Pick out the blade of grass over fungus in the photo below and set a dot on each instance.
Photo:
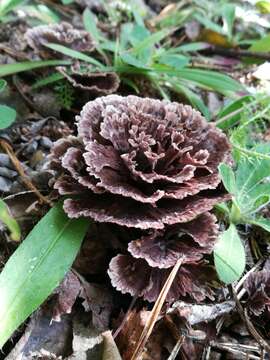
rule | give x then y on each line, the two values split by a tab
9	69
37	267
47	80
74	54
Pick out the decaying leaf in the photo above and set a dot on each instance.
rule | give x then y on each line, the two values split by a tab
196	314
96	298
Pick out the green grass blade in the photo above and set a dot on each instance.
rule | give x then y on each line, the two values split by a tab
150	41
9	69
74	54
210	79
37	267
47	80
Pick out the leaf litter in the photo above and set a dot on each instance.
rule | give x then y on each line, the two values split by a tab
163	188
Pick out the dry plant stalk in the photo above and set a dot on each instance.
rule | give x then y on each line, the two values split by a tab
155	312
8	149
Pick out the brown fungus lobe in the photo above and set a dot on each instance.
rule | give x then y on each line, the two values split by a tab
94	82
63	34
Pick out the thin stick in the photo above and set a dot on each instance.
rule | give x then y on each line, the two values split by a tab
155	312
237	53
176	348
117	331
8	149
250	327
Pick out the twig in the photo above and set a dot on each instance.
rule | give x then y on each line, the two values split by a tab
8	149
22	92
240	350
15	54
243	279
155	312
237	53
244	316
117	331
176	348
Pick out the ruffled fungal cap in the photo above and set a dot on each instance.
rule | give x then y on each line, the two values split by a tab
95	83
185	241
62	33
136	277
158	251
152	166
257	286
141	163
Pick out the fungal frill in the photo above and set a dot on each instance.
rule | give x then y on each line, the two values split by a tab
62	34
150	166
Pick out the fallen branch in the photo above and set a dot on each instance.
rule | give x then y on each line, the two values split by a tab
237	53
17	164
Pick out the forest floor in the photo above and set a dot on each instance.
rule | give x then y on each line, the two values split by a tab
143	287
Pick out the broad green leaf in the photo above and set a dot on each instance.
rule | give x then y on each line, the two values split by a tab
139	11
48	80
3	84
261	222
124	37
229	256
249	183
258	197
251	175
261	45
194	99
232	112
150	41
10	222
74	54
175	18
196	46
208	23
8	5
222	207
197	102
9	69
209	79
174	60
132	60
263	6
228	178
90	24
228	11
7	116
41	12
37	267
136	37
138	34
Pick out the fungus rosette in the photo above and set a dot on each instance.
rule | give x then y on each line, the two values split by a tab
150	165
63	34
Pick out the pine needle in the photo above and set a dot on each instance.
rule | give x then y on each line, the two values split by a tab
155	312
